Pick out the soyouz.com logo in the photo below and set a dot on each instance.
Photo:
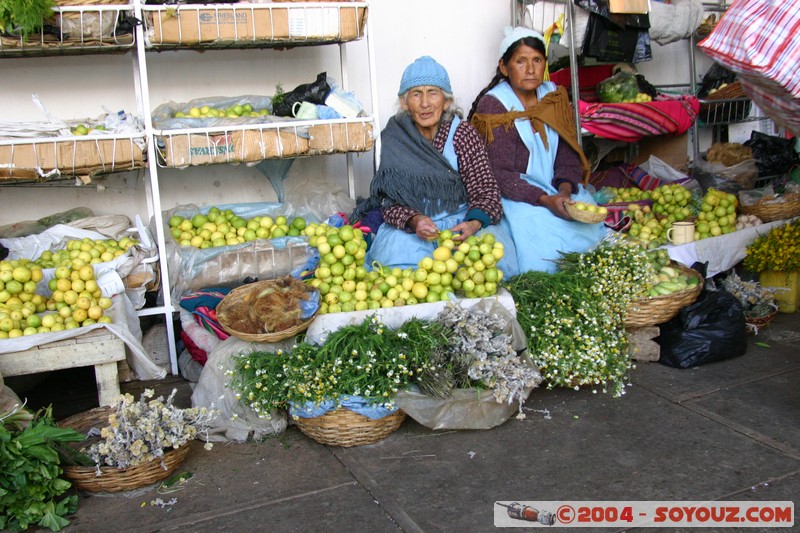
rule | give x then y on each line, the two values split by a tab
553	514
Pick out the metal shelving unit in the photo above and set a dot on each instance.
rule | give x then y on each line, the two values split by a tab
86	30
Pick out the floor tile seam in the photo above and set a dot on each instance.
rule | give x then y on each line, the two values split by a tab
199	518
366	481
687	397
750	433
772	480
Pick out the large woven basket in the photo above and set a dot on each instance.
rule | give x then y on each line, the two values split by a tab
660	309
116	479
343	427
584	216
236	297
769	211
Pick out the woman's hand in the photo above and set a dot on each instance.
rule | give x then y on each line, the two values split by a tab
424	227
466	229
556	204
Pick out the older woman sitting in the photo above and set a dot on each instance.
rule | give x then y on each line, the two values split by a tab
434	175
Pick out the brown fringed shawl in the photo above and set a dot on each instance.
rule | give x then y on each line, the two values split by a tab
553	110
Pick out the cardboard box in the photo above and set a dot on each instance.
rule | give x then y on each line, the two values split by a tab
672	149
249	146
330	138
86	156
634	7
190	25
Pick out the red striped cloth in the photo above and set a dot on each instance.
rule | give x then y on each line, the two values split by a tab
760	40
631	122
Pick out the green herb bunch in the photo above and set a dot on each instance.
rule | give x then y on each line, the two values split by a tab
622	270
778	250
24	16
279	96
368	360
30	485
575	319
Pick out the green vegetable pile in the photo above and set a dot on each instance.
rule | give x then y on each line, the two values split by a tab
574	319
369	360
621	87
24	17
29	472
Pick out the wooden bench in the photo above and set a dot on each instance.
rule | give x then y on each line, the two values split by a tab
99	348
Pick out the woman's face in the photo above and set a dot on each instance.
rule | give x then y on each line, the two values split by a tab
426	104
525	69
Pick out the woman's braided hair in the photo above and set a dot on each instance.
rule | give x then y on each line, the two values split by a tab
532	42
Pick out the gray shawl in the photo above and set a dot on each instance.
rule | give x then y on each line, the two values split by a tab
413	173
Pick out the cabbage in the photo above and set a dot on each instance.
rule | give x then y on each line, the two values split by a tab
621	87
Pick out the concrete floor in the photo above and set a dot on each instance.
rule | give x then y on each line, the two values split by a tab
724	431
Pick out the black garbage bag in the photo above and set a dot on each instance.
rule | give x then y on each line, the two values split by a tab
315	93
715	76
774	155
709	330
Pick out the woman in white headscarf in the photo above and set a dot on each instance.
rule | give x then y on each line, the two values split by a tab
533	147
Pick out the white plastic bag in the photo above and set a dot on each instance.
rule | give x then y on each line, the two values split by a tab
234	421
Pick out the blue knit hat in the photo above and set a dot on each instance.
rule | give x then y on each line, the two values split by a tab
424	71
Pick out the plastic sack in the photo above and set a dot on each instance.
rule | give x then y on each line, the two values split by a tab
711	329
29	227
618	39
730	179
109	274
164	115
715	76
234	421
621	87
9	401
467	408
227	266
773	155
315	93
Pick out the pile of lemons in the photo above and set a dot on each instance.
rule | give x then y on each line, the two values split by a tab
467	268
76	299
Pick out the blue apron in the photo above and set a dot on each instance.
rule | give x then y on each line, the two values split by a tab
538	234
394	247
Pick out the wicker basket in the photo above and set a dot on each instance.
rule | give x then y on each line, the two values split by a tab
343	427
660	309
237	297
724	105
769	212
759	321
584	216
116	479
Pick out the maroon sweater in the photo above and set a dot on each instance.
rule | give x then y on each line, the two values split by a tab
509	158
474	169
